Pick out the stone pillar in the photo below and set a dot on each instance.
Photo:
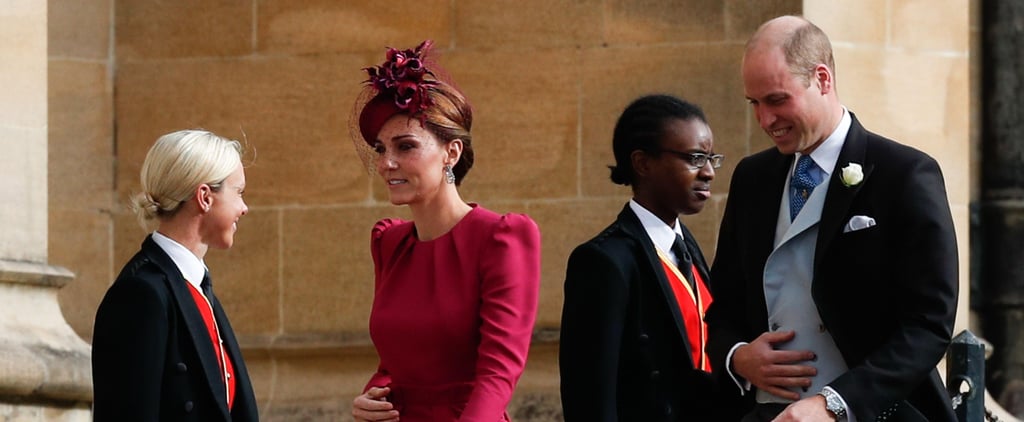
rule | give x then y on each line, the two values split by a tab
1002	196
44	366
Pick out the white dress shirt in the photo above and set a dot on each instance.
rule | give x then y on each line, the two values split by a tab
661	234
191	267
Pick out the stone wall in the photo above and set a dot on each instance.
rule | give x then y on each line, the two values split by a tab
23	131
44	364
547	80
82	157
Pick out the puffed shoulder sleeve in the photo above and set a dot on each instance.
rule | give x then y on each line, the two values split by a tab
377	242
510	270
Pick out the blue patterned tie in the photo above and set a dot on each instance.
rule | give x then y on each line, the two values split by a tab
802	183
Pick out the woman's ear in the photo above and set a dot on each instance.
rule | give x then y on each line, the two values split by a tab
204	197
453	151
640	161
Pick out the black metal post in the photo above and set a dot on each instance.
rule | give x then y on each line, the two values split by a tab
965	377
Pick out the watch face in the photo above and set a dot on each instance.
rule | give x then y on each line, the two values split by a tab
834	405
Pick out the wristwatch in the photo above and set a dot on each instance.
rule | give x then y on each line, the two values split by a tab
834	404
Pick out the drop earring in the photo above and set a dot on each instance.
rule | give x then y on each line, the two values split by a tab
449	176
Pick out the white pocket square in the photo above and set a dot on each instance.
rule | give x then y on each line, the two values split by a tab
858	222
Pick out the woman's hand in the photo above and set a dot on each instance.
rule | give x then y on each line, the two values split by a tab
373	406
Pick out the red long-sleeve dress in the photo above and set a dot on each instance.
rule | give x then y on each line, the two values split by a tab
452	317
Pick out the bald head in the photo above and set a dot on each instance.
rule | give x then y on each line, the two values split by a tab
774	32
788	79
802	43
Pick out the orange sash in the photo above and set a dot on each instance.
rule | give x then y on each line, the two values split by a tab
692	306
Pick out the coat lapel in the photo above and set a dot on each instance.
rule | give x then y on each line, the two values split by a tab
763	223
840	196
193	320
632	227
242	386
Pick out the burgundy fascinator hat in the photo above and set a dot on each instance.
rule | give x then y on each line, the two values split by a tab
400	85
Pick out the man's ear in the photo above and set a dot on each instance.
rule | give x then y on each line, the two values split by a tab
824	78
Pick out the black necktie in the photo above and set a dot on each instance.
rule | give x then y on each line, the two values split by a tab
685	263
207	287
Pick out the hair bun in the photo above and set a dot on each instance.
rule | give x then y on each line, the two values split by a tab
144	206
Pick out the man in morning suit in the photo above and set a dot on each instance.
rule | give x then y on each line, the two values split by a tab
632	337
835	276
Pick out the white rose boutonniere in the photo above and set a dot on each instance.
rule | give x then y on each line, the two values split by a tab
852	175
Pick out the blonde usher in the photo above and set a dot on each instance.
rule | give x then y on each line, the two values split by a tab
176	165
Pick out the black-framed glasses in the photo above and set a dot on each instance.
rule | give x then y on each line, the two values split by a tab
697	160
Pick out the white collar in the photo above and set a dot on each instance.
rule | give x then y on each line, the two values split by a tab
826	154
660	233
191	267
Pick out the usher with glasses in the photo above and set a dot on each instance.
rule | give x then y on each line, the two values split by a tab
697	160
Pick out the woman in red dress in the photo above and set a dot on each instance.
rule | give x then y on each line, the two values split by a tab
456	288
